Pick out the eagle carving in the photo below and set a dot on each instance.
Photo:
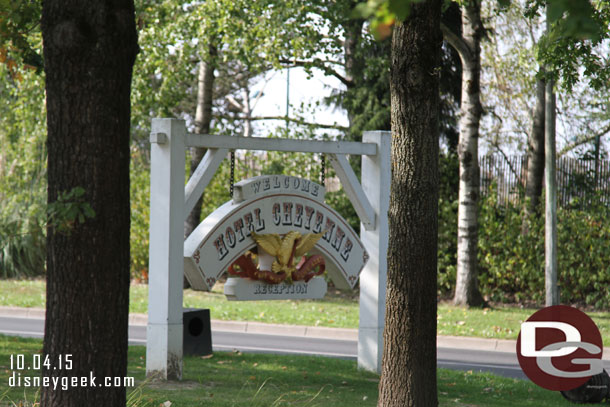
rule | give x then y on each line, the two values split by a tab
285	249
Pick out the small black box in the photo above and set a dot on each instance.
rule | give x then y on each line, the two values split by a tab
197	334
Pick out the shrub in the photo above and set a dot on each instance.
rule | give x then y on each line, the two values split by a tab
22	246
139	197
23	186
447	223
511	264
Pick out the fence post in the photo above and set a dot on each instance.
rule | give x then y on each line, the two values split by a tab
166	264
376	177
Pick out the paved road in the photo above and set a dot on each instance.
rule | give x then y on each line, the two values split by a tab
502	363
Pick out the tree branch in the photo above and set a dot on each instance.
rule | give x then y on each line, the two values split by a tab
317	63
583	141
510	165
284	118
456	42
234	102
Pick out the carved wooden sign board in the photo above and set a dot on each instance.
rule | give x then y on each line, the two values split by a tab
274	220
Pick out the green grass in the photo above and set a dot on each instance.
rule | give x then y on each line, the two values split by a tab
23	293
236	379
501	322
337	309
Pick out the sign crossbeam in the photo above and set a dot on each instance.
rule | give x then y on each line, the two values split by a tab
274	144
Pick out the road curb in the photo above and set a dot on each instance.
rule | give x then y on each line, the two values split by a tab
455	342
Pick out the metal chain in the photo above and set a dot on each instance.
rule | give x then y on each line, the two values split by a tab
323	170
232	181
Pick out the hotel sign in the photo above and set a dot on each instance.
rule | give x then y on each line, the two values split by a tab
272	204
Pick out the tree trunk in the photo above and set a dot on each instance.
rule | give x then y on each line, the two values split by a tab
408	375
535	153
466	290
247	110
353	32
203	118
89	52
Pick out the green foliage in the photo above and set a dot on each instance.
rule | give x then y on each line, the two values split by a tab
367	101
309	166
139	178
511	263
576	45
20	35
69	209
22	246
22	174
250	38
384	13
572	18
447	222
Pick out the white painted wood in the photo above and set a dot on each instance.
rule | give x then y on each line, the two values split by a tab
277	144
202	177
243	289
353	190
164	348
159	138
225	235
265	260
168	255
376	176
264	184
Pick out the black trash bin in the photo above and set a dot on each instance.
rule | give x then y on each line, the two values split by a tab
197	336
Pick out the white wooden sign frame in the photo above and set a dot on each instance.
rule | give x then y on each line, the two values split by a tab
171	201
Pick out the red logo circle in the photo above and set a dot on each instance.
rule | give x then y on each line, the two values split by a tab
559	348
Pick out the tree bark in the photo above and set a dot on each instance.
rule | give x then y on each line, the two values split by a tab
466	290
247	110
535	153
89	52
408	375
203	118
353	71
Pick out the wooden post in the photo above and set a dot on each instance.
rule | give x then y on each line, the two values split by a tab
170	201
376	177
164	332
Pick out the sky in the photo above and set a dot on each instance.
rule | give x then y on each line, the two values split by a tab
303	90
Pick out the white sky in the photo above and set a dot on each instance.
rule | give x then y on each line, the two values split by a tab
303	90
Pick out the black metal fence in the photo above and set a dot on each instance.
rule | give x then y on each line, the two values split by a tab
579	182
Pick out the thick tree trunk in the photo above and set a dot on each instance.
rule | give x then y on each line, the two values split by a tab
408	375
466	290
89	52
203	118
535	153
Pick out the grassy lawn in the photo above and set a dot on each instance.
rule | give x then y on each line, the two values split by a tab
337	309
236	379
